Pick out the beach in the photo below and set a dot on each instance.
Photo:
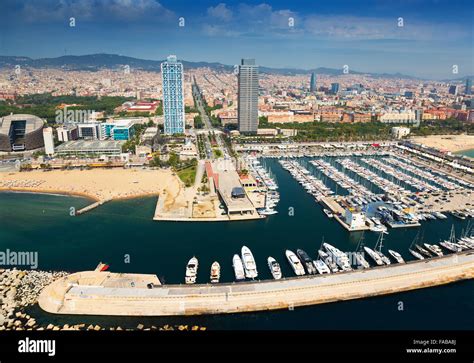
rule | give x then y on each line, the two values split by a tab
97	184
453	143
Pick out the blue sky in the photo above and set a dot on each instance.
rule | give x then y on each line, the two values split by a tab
363	34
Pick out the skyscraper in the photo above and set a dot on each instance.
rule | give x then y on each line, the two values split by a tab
247	109
173	96
468	86
312	83
334	88
453	90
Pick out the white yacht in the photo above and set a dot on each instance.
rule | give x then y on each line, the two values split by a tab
338	256
361	261
398	257
328	261
274	268
416	254
328	213
238	267
375	256
249	263
434	249
295	263
215	272
321	267
191	270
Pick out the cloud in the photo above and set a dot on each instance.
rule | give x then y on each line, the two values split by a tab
265	21
93	10
221	12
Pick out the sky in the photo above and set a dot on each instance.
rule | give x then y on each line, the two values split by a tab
424	38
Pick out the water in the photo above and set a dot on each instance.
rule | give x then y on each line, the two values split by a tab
116	230
469	153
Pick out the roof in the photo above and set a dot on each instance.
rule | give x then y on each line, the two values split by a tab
33	123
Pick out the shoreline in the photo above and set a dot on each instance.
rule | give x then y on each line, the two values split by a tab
60	193
452	143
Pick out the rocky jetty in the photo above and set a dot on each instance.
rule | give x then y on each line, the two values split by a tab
21	288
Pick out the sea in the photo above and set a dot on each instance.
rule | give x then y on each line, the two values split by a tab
469	153
123	234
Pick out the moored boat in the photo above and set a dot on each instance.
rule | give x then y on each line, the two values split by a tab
274	267
416	254
248	260
398	257
375	256
215	272
191	270
307	262
238	267
436	250
295	263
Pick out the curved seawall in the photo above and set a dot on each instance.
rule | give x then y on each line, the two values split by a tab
106	293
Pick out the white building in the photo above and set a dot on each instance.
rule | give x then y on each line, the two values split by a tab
400	132
48	140
354	219
405	117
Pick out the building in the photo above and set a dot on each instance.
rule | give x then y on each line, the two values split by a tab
90	148
334	88
453	90
89	130
118	129
188	151
67	132
48	139
21	132
354	219
312	83
247	108
468	90
400	132
407	117
173	96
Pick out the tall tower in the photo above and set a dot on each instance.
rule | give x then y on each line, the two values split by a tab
247	109
173	96
468	86
312	83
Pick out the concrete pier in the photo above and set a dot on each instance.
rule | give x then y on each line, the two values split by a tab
105	293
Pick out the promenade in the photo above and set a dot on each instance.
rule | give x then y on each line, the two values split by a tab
106	293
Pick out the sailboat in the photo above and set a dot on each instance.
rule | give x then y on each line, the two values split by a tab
379	243
451	244
359	256
412	251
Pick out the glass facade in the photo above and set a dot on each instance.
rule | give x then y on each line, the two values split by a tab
173	96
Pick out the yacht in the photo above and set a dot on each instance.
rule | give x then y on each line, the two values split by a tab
249	263
191	270
274	268
238	268
328	213
398	257
361	261
307	262
375	256
295	263
215	272
338	256
453	247
434	249
423	251
267	212
328	261
416	254
321	267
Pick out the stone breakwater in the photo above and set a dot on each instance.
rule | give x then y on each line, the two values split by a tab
20	289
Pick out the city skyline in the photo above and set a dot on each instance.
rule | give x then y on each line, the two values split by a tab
421	38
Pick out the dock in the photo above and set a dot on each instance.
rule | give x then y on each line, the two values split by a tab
106	293
90	207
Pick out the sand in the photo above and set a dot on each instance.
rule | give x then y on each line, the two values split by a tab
97	184
453	143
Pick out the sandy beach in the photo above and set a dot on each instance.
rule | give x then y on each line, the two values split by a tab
453	143
97	184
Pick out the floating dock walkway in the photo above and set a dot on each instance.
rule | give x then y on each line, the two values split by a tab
106	293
